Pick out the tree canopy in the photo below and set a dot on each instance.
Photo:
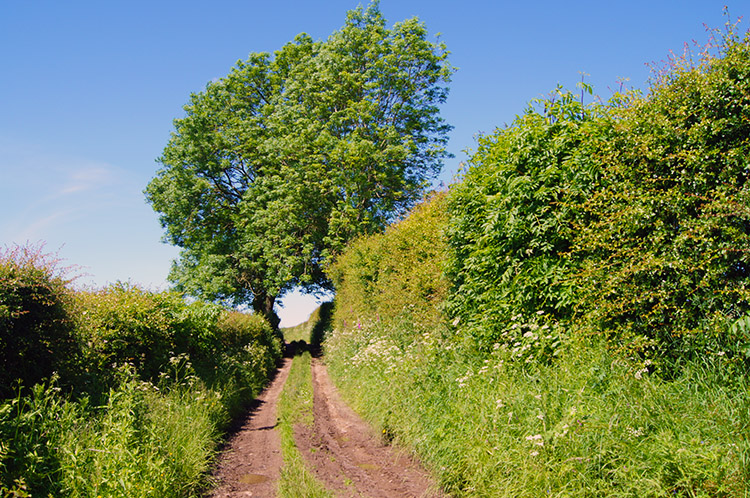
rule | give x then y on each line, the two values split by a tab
276	166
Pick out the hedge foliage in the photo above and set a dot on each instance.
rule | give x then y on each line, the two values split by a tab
591	333
513	216
36	326
627	219
667	245
397	274
117	391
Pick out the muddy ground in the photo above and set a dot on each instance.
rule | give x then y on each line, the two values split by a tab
341	450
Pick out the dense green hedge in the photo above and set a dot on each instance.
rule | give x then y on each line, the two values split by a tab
119	391
627	219
667	245
592	332
36	326
513	218
397	274
123	324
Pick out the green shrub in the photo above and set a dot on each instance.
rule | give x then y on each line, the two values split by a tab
123	324
151	381
513	216
249	350
397	274
667	243
36	330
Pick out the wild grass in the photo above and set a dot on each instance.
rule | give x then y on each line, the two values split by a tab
590	424
142	442
144	385
295	407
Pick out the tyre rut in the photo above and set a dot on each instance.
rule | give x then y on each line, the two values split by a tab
341	450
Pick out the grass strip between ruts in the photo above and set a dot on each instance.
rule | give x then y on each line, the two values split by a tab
295	407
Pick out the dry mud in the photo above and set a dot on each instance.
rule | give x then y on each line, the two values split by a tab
340	449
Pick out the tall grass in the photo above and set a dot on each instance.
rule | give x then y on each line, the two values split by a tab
591	424
142	442
149	383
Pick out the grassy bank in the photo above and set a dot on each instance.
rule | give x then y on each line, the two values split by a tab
589	425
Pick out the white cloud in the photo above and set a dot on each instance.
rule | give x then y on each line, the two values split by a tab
36	229
41	194
296	307
89	177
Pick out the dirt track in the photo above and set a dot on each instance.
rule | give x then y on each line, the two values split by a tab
340	449
250	464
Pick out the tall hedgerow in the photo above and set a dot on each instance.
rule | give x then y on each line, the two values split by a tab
397	275
36	329
620	229
151	331
512	218
667	239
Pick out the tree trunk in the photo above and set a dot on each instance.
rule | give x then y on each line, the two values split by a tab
263	304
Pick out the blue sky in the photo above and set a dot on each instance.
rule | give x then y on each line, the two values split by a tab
89	90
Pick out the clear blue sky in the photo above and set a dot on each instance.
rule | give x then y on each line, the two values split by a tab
89	90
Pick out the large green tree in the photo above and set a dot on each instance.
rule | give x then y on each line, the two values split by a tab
277	165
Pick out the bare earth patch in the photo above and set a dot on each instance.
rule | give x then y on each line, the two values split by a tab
340	449
346	455
250	464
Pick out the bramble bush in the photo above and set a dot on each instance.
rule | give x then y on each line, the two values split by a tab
36	329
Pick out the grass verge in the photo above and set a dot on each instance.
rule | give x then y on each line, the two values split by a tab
589	424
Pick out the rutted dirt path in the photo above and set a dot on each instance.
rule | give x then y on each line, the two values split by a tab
250	464
348	457
341	450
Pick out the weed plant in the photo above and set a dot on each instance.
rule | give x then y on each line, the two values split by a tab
589	424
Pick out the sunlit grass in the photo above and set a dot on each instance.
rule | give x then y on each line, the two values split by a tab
589	424
299	332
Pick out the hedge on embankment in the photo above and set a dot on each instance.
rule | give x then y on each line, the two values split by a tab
119	391
591	334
